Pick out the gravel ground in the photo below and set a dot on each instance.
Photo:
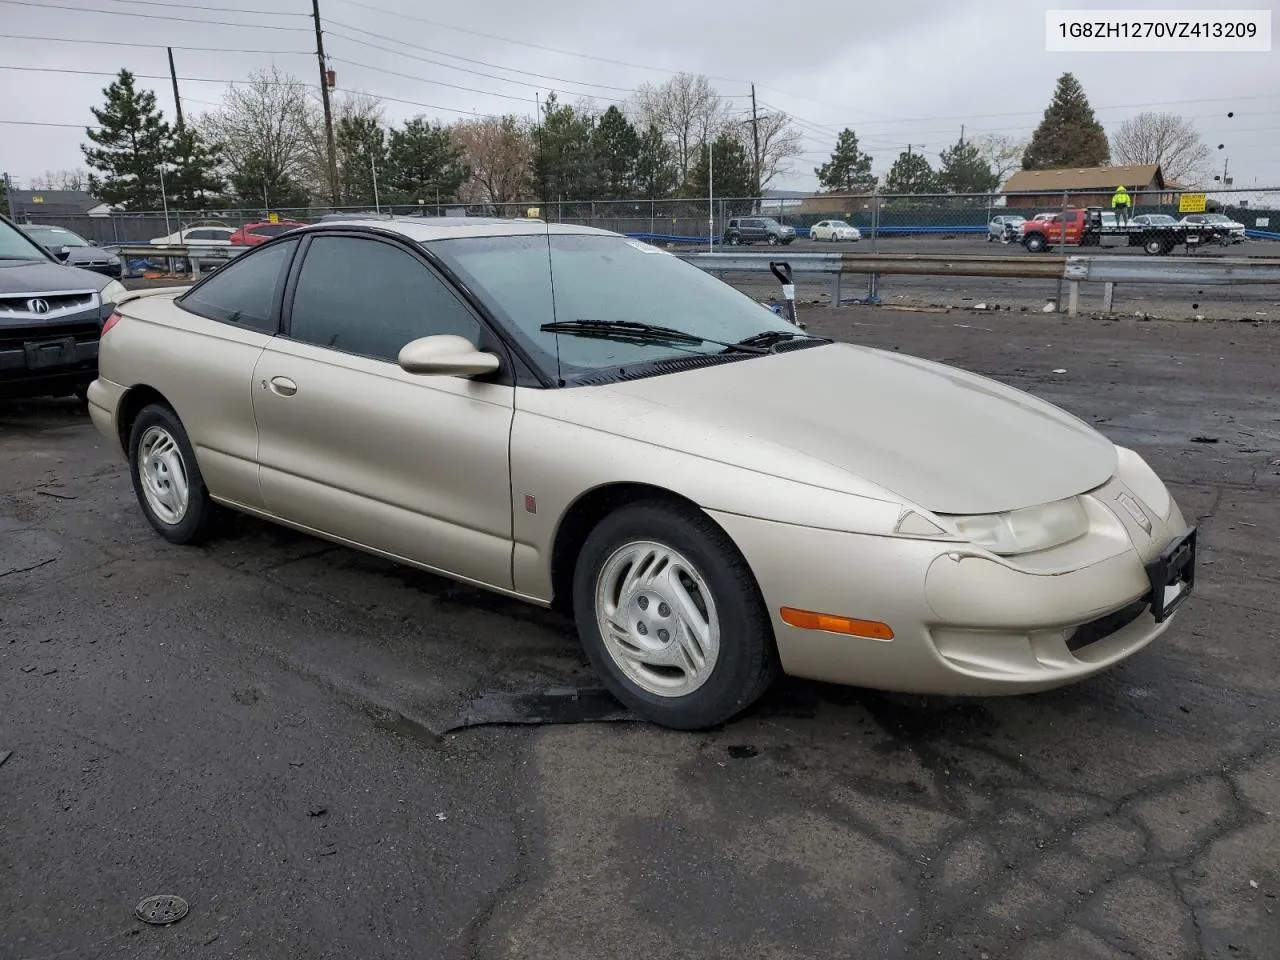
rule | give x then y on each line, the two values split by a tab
269	728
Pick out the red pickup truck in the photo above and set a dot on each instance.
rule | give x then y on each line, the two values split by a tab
1086	227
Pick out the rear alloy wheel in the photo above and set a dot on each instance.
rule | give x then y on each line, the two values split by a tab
1156	246
671	618
166	477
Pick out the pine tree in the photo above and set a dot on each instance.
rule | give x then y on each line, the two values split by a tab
564	166
1069	135
617	149
963	170
361	149
655	166
729	169
259	180
849	168
423	161
911	173
194	183
131	145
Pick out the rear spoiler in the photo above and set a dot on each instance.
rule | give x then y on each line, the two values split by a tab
151	292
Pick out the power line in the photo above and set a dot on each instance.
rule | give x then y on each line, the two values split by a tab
156	46
438	83
40	4
442	53
193	6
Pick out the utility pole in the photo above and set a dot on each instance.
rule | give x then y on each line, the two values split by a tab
177	100
962	134
8	194
324	96
755	140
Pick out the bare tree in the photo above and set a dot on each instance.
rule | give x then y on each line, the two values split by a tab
1163	138
780	141
688	111
262	122
1003	154
61	180
499	151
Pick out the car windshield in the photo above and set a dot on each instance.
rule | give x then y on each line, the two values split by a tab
1216	218
770	222
16	245
55	237
1160	218
530	280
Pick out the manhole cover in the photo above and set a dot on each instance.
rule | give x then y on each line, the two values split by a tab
161	910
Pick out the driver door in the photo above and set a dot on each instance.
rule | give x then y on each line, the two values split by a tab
352	446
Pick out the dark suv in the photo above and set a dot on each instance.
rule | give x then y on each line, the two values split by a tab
51	317
757	230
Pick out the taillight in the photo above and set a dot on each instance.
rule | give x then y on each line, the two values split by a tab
111	322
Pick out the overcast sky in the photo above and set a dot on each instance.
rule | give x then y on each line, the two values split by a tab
900	72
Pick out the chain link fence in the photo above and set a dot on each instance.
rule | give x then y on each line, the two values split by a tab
703	220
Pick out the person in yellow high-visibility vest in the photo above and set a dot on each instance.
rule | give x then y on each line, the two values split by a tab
1120	204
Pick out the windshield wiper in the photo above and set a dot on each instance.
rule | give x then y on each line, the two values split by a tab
640	333
772	338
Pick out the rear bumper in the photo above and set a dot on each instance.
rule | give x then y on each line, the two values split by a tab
963	623
104	400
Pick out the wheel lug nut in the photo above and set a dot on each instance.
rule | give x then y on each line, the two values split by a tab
664	610
643	603
664	636
641	629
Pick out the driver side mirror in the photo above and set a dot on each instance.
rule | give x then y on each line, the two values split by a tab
93	243
62	253
445	355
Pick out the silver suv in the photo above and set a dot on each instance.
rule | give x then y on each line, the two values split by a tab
757	230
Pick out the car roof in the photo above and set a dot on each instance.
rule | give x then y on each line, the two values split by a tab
421	229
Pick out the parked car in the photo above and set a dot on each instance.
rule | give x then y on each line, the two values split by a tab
252	234
645	447
1233	227
51	315
757	230
204	235
1004	228
835	230
1153	220
74	250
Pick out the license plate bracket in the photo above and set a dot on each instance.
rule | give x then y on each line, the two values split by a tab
1173	576
50	353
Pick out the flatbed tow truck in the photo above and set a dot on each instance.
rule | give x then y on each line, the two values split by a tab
1088	227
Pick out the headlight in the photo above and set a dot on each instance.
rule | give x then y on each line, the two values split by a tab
1026	530
1142	480
112	292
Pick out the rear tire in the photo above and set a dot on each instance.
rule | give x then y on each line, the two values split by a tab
670	616
166	478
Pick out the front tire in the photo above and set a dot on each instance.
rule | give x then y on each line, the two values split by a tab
671	618
166	478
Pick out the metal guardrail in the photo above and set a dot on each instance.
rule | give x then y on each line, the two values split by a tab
1073	270
196	254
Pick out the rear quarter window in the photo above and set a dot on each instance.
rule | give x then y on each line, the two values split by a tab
246	291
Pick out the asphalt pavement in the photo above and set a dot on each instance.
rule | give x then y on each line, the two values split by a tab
294	737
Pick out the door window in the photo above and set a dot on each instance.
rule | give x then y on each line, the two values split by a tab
244	291
370	298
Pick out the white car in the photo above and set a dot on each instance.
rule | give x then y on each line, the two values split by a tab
1218	220
1004	228
1153	220
197	236
835	231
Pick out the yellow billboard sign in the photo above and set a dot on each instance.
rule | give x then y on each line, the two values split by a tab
1191	203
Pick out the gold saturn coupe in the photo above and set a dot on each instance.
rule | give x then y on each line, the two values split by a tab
587	422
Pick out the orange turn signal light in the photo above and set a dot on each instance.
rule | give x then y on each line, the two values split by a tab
808	620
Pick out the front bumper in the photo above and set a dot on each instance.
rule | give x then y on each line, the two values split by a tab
964	622
48	360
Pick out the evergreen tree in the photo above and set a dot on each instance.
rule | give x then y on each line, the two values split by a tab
963	170
849	168
132	143
1069	135
729	168
617	150
423	159
361	147
911	173
564	165
655	166
194	183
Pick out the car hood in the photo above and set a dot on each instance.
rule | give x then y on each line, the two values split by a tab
36	276
947	440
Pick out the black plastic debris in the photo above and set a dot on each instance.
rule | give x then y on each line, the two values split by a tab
161	910
743	751
5	755
556	705
1204	439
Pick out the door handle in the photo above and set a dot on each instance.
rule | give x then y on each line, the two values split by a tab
281	386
